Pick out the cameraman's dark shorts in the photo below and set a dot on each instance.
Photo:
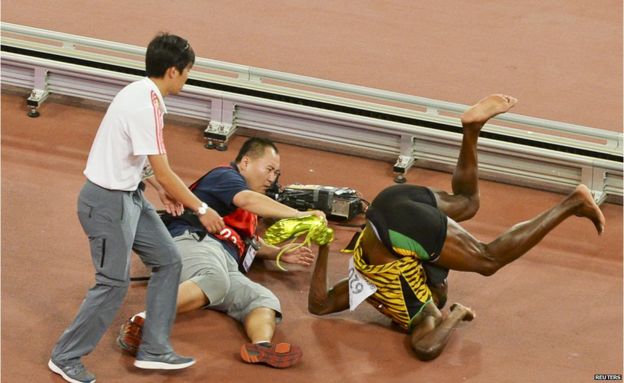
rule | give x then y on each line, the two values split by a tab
407	221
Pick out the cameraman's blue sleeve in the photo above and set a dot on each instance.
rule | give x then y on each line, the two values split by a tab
219	187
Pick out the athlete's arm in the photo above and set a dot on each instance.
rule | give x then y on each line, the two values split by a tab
321	300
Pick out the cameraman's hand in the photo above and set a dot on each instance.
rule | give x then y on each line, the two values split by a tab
302	256
212	221
317	213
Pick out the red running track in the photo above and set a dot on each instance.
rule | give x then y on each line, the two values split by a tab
554	315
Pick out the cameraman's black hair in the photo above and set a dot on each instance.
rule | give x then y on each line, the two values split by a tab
255	147
166	51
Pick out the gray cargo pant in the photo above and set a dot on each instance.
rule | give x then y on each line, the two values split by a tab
117	222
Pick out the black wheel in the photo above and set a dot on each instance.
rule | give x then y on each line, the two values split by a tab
400	179
222	147
33	113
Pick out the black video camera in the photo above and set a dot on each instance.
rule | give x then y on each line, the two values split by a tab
338	203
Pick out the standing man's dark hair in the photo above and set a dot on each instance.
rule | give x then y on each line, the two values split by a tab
166	51
255	147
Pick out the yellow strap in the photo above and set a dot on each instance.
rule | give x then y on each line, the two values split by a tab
291	246
316	231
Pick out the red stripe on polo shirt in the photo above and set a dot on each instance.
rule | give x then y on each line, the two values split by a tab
158	123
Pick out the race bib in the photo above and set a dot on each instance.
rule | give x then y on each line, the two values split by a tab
249	257
359	287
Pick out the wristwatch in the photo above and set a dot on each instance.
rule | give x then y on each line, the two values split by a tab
202	209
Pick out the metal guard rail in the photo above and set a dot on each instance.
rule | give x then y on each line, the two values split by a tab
517	149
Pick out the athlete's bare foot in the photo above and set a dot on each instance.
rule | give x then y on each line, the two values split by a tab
492	105
468	313
588	207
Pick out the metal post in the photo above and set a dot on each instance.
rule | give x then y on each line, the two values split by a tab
39	92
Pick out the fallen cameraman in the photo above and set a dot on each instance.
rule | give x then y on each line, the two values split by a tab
213	266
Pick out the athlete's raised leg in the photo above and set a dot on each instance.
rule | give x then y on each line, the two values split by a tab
463	203
463	252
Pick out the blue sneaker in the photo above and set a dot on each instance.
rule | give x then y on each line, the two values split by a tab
168	361
74	373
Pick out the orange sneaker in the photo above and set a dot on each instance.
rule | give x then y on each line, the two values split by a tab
130	334
280	355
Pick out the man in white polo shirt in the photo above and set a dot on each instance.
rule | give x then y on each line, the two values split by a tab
118	219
